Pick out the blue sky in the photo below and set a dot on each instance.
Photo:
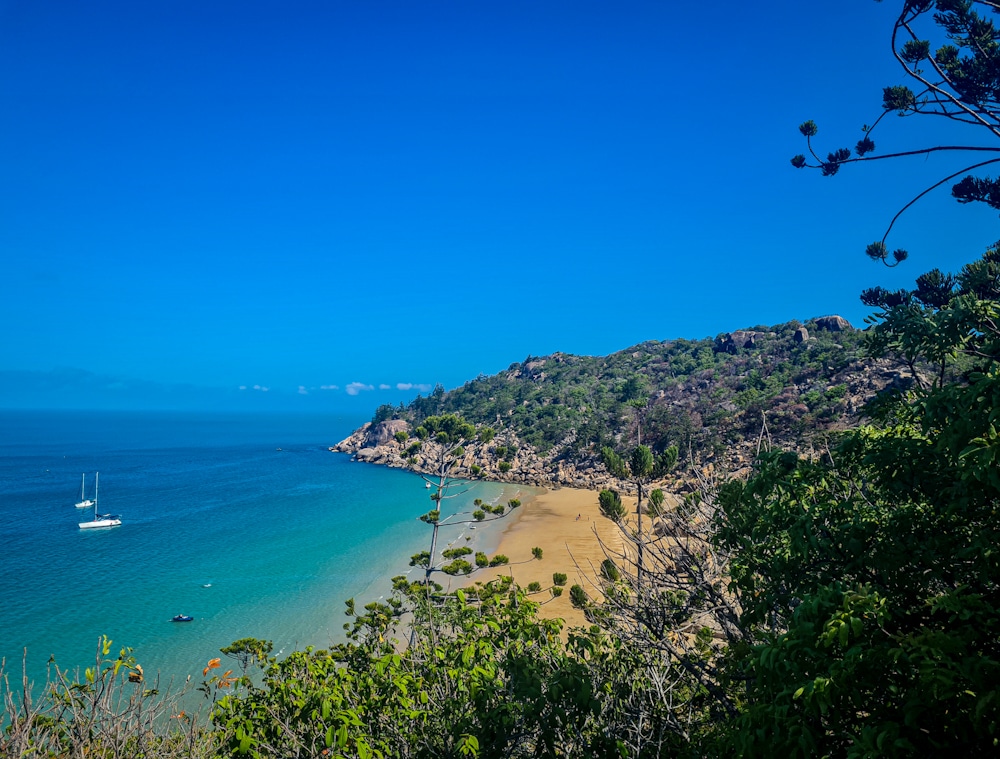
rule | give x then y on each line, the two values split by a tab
197	197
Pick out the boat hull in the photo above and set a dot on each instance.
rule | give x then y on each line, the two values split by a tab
98	523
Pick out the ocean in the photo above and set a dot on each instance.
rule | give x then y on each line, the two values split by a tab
245	522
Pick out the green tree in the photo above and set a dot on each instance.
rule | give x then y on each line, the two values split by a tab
248	652
640	467
868	580
656	499
488	679
383	413
611	505
950	52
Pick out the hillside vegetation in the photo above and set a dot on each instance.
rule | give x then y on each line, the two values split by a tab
713	398
836	605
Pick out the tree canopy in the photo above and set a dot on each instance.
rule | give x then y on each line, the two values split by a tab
949	51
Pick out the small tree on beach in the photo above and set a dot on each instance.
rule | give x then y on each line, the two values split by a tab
641	466
447	437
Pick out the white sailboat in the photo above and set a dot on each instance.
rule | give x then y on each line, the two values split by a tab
85	502
100	520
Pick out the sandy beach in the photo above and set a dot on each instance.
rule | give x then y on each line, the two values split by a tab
568	526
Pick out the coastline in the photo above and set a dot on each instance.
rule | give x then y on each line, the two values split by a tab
567	524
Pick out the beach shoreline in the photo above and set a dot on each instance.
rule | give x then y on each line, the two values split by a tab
567	524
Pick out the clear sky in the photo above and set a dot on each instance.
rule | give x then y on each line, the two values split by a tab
306	195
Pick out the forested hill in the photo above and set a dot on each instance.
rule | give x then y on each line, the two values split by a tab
709	397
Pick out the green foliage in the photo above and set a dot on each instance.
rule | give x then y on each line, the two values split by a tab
486	678
402	436
457	567
867	579
383	413
536	552
609	571
578	596
656	499
448	429
615	464
956	70
641	462
667	460
452	553
504	466
513	503
248	652
611	505
578	406
482	560
534	587
559	578
499	560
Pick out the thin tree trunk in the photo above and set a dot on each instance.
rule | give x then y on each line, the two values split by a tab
638	513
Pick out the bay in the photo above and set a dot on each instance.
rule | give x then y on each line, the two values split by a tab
218	523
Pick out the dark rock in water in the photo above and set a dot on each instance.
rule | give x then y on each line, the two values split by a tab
801	335
833	324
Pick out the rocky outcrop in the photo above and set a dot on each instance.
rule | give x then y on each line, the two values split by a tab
504	459
509	459
833	324
722	406
732	341
383	432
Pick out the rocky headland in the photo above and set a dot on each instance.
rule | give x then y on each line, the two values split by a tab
790	386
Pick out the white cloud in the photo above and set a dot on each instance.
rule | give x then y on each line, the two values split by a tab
302	390
383	386
329	387
261	388
422	387
243	387
356	387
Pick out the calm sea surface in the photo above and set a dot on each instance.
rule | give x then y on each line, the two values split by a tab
217	523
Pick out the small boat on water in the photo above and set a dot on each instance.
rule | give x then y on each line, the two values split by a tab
85	503
182	618
100	520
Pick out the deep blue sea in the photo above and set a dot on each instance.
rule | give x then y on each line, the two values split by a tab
217	523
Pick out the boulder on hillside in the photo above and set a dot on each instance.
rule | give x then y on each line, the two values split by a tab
383	432
833	324
801	335
731	341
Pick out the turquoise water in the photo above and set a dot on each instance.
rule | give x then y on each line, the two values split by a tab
281	537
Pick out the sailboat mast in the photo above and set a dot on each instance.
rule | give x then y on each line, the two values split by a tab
97	484
83	482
